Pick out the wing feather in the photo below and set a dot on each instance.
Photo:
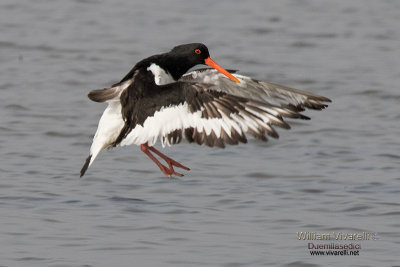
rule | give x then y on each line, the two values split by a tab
207	117
253	89
214	114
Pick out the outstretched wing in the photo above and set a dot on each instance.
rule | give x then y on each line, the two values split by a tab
202	115
250	88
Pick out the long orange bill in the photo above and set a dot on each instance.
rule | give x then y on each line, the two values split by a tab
208	61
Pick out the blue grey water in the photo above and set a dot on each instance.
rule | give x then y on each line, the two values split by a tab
241	206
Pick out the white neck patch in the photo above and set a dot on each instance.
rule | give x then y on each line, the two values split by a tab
160	76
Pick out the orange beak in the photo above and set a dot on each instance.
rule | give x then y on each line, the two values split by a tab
208	61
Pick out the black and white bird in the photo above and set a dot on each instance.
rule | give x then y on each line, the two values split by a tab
157	99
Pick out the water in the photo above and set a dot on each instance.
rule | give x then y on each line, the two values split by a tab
241	206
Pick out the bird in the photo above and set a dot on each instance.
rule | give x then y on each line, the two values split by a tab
160	100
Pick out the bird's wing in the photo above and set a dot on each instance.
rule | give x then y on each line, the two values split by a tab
250	88
202	115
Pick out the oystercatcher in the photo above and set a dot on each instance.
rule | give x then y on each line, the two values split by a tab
157	99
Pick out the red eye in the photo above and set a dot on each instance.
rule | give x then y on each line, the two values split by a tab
197	51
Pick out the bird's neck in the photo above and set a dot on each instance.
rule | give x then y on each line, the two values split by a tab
173	66
164	67
161	76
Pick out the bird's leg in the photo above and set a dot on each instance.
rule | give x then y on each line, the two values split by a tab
168	160
167	171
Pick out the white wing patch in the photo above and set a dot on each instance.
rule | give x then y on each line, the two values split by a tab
167	120
172	118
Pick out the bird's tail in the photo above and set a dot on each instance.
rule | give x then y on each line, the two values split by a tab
110	125
96	148
86	165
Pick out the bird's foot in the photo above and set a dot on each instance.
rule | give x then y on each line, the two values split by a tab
168	171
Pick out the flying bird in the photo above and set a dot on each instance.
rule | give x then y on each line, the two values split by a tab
158	99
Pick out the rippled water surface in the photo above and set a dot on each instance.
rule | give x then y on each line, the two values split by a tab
241	206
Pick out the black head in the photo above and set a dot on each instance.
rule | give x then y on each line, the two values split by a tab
183	57
194	54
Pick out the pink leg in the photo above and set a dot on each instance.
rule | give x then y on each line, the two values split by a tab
168	160
167	171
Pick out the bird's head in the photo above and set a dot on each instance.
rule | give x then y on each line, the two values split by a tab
194	54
